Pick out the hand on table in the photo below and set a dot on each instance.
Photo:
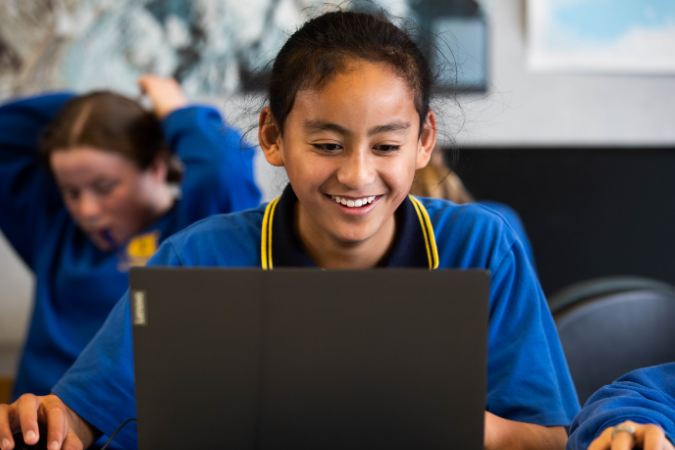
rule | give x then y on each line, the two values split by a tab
647	437
165	94
65	429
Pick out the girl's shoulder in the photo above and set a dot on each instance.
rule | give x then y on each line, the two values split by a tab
472	218
468	235
231	239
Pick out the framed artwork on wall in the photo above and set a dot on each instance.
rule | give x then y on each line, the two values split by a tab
213	47
600	36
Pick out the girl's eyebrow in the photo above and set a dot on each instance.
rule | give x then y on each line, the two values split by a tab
316	126
399	125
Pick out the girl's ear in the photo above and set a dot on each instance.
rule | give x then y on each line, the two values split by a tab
269	136
159	169
427	141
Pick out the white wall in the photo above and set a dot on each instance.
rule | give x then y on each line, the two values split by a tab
16	292
536	108
525	108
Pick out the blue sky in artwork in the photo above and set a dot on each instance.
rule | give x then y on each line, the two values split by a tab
607	20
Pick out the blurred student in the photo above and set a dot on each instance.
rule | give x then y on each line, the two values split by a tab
438	181
89	186
349	119
636	411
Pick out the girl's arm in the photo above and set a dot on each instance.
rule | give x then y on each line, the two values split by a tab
530	395
645	397
29	197
504	434
218	175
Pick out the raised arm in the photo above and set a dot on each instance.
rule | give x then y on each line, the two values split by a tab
29	198
643	399
218	174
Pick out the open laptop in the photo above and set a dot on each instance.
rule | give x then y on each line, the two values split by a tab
309	359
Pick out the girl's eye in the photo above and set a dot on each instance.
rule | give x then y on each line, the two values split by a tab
327	147
387	148
104	189
71	194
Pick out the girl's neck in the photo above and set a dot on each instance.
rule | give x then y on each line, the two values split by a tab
330	253
161	203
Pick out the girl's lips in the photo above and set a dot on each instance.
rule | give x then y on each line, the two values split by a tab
107	237
350	204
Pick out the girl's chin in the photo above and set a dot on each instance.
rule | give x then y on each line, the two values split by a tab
103	243
348	234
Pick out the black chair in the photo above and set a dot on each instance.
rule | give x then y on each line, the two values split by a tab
611	326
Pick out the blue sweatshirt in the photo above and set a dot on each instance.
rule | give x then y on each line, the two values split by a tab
643	396
528	379
77	284
513	219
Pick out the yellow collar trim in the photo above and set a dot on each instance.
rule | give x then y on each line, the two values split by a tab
427	231
266	240
422	215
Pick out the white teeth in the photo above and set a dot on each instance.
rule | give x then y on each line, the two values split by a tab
353	203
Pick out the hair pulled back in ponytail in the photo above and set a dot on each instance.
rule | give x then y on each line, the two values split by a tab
114	123
325	45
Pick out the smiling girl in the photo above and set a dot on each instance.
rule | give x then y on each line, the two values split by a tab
116	181
349	118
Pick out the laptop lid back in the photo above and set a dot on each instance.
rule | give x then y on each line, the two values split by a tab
306	359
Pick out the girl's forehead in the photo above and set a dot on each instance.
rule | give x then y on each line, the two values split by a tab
362	75
364	88
85	158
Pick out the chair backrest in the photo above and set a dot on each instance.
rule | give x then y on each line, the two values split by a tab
608	334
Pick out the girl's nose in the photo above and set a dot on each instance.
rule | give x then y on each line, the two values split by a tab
89	207
357	170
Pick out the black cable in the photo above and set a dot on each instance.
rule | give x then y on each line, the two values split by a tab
117	431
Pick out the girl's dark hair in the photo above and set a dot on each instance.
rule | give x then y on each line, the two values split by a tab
323	47
114	123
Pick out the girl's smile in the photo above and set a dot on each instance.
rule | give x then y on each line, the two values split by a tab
355	205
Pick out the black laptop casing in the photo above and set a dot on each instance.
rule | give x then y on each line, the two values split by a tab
309	359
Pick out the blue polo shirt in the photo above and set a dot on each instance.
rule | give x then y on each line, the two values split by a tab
76	283
643	396
528	379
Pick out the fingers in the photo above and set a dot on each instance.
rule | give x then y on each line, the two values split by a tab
24	415
623	441
57	425
602	442
27	406
165	94
152	84
145	81
647	437
6	418
654	438
71	442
